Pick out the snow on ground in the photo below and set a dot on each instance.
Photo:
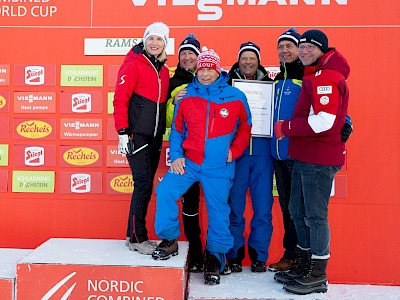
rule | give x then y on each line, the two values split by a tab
262	286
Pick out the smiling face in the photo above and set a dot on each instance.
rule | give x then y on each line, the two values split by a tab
188	60
154	45
309	53
207	76
287	51
248	64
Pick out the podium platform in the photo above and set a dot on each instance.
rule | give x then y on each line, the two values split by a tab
8	261
99	270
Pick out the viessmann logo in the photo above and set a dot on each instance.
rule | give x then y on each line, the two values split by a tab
122	183
34	129
81	156
212	11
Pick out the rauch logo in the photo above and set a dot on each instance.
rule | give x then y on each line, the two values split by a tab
81	156
34	129
122	184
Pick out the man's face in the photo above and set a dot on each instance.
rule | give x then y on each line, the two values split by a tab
287	51
309	53
207	76
188	60
248	64
154	45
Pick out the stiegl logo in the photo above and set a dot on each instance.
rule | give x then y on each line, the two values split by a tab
80	183
81	103
34	75
212	10
34	156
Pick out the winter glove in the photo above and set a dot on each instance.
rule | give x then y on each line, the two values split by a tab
278	130
346	131
124	142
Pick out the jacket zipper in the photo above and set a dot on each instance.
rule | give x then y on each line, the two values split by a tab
279	108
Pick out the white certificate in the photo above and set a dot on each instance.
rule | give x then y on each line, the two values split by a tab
260	96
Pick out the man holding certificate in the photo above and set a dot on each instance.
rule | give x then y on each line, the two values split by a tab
254	169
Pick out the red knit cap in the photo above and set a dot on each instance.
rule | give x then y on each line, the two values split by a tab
208	59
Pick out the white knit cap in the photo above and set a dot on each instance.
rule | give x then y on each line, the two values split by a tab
158	29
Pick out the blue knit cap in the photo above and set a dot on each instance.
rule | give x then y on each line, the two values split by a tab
291	35
316	37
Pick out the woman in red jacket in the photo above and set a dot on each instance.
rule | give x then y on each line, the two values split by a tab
139	114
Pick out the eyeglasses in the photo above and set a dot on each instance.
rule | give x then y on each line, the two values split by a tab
309	48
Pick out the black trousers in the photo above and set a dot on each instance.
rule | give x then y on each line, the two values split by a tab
143	166
191	222
283	175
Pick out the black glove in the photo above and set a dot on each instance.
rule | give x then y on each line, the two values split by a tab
346	131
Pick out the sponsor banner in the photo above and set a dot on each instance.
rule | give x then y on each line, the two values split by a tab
81	102
112	75
4	75
119	183
33	181
4	101
81	156
112	134
118	46
20	13
110	106
34	75
87	129
62	281
3	155
80	183
114	158
34	155
81	75
35	102
5	128
44	129
3	183
273	71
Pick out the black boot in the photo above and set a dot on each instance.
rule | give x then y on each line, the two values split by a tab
211	269
300	267
314	280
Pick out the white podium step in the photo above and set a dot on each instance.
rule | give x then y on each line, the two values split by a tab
99	270
8	262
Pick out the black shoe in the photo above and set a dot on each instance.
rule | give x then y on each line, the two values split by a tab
165	250
300	289
211	269
258	267
196	267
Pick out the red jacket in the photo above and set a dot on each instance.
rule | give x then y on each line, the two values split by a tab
320	113
141	94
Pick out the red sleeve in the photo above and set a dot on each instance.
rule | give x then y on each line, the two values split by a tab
126	83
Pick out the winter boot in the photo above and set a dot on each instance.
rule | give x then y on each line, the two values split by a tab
300	267
316	273
211	269
258	266
146	247
165	250
283	265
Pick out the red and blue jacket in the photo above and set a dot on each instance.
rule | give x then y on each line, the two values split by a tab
208	121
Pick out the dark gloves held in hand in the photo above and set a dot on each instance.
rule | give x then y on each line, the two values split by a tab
346	131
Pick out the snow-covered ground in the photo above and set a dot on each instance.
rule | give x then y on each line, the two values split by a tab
262	286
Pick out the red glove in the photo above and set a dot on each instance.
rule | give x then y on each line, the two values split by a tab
278	130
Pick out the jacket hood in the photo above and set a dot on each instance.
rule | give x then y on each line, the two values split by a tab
332	60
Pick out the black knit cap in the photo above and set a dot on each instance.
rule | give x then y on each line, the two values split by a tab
316	37
291	35
190	43
250	46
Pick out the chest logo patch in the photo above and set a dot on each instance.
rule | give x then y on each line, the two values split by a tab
224	112
324	89
324	100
